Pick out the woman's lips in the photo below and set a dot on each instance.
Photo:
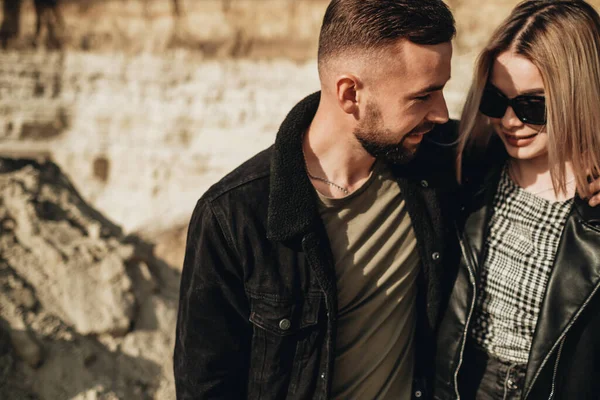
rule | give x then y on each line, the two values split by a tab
519	141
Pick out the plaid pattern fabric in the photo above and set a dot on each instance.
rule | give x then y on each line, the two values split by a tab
524	236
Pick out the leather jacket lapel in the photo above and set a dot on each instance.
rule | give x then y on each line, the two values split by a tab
474	229
479	212
574	280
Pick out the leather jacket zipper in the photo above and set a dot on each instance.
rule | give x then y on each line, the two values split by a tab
468	260
562	342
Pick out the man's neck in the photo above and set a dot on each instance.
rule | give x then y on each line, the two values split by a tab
332	153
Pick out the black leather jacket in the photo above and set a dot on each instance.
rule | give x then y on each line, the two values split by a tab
257	312
564	361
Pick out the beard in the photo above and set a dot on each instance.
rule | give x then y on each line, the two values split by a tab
370	132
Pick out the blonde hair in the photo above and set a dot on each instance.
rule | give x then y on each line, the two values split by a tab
562	39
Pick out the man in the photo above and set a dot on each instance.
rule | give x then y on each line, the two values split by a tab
47	12
314	270
11	21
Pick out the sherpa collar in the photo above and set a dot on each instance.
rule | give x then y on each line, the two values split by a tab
292	199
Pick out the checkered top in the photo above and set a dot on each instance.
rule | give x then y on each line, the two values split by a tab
524	235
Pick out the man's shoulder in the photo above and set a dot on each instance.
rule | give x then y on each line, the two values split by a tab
445	133
436	158
253	172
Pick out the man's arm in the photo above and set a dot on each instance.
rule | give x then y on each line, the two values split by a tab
213	334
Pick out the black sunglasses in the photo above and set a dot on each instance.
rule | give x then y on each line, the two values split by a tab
530	109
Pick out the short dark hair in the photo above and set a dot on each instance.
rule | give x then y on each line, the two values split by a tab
370	24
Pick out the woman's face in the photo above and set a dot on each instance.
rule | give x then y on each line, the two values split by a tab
514	75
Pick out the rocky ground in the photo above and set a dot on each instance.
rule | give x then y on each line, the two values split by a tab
87	312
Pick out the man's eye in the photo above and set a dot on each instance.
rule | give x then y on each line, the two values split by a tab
423	98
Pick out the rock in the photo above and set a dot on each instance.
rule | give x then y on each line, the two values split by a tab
170	245
25	297
10	384
73	287
151	286
98	299
8	225
18	291
6	357
78	277
27	348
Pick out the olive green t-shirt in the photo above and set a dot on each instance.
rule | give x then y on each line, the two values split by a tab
376	263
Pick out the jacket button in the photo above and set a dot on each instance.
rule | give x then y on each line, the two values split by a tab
435	256
418	394
285	324
323	375
424	183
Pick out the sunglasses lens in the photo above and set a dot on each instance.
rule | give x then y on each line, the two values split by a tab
528	108
493	104
531	109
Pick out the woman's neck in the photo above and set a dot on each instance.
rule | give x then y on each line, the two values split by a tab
534	176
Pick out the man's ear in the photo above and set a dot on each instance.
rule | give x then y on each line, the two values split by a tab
348	91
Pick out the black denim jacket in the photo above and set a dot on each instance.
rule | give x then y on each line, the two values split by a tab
258	300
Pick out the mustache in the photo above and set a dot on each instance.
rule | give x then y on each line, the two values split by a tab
423	128
426	127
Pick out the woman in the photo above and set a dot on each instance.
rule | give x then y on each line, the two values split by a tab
523	321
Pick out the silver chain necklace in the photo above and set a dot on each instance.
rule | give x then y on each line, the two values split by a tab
512	173
324	180
552	188
318	178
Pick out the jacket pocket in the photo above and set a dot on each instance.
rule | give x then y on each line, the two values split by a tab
286	346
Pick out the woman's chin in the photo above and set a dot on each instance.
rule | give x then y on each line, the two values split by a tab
526	152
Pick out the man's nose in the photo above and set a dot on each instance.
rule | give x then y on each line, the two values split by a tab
439	111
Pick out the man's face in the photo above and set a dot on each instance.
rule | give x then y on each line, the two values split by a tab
404	101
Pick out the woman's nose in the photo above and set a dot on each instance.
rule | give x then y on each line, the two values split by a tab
510	119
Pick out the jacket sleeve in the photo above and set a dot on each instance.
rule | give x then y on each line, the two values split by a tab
213	334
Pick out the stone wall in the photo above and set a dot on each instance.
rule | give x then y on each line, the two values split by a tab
144	135
210	28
